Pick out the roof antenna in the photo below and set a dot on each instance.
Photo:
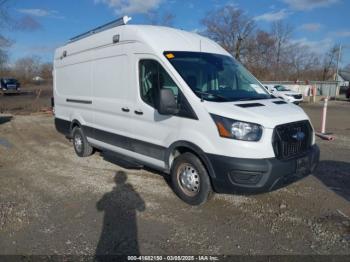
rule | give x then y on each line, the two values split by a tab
126	19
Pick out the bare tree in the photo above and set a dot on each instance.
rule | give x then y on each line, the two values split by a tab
26	68
27	23
260	49
329	62
230	27
4	15
4	42
281	32
3	60
301	61
347	68
24	23
45	71
164	19
295	62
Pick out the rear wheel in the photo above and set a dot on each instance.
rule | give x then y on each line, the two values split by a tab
81	145
190	179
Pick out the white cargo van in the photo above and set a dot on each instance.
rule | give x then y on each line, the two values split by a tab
179	103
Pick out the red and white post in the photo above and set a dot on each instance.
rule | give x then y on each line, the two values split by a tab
323	134
324	116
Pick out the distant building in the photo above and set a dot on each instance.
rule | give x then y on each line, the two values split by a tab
38	79
343	78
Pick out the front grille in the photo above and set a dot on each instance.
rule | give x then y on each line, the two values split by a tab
298	96
292	139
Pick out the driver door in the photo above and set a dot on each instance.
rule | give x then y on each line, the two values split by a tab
152	132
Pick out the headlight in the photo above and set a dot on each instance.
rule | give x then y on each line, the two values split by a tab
288	95
238	130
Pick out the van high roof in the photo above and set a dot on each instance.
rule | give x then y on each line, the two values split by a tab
157	38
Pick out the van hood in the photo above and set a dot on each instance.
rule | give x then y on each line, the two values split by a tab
263	112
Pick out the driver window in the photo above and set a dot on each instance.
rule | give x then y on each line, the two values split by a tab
153	77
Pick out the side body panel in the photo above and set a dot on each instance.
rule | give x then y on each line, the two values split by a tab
111	91
73	88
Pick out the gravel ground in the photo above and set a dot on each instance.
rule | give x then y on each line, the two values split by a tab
53	202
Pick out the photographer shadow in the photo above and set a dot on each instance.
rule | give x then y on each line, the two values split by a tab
119	232
5	119
335	175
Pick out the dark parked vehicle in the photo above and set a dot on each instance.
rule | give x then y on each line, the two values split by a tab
9	85
347	94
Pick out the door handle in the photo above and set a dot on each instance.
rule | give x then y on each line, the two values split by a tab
138	112
125	109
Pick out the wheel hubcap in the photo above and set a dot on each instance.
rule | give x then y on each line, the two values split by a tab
78	142
188	179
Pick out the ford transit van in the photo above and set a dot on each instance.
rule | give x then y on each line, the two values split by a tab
177	102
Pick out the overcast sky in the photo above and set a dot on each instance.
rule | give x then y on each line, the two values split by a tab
317	23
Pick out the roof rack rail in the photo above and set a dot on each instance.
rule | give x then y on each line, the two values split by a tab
118	22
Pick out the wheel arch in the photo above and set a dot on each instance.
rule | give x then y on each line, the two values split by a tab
74	123
181	147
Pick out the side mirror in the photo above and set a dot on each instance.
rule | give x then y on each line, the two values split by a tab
166	103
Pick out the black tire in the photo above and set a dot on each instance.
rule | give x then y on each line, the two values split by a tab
188	163
82	148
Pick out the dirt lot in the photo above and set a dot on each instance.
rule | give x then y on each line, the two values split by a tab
53	202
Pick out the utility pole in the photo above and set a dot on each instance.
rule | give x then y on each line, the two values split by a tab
338	60
337	73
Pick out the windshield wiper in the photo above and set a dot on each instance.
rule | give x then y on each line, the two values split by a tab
209	94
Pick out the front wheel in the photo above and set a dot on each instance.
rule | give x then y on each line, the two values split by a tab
190	179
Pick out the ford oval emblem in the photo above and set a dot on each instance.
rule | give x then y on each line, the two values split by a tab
299	136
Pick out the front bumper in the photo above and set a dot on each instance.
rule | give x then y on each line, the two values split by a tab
294	100
10	90
241	175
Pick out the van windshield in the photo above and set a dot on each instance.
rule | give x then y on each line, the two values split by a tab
281	88
10	81
216	78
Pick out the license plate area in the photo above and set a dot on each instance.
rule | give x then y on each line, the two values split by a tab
303	166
